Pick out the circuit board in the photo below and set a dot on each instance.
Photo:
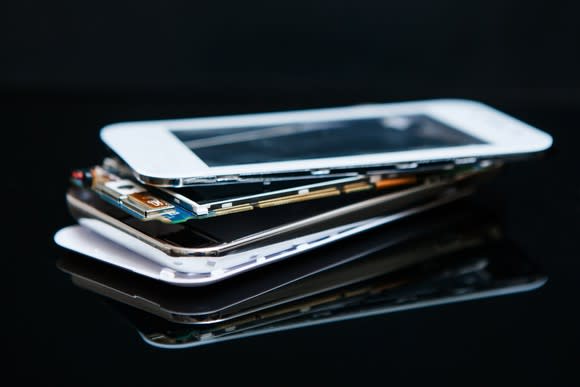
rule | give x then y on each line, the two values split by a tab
149	203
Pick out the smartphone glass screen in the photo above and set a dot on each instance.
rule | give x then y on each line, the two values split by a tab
315	140
321	141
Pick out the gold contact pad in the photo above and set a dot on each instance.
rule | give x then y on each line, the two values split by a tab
323	193
356	187
233	209
278	201
348	188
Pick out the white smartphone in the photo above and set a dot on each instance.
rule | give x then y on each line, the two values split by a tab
317	142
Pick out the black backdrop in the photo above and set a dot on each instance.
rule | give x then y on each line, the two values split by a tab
303	50
67	68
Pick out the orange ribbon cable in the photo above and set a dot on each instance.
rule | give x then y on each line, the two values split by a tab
394	182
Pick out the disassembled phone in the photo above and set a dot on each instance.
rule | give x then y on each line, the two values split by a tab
111	183
387	138
206	250
102	247
197	201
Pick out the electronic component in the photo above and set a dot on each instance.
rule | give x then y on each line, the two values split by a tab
126	194
120	189
323	193
82	177
169	206
395	182
147	204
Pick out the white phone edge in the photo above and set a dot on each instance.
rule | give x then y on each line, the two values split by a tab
158	157
106	243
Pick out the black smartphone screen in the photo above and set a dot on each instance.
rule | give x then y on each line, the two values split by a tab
313	140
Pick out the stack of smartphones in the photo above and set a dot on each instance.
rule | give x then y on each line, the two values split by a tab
203	202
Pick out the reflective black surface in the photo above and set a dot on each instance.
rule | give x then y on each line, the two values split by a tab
70	68
76	334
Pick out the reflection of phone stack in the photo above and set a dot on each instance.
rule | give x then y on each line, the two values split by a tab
204	199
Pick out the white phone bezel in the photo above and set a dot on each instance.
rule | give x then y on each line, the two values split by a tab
157	156
104	242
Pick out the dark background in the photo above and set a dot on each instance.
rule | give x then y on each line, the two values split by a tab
68	68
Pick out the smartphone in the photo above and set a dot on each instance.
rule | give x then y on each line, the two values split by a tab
204	251
397	136
369	255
